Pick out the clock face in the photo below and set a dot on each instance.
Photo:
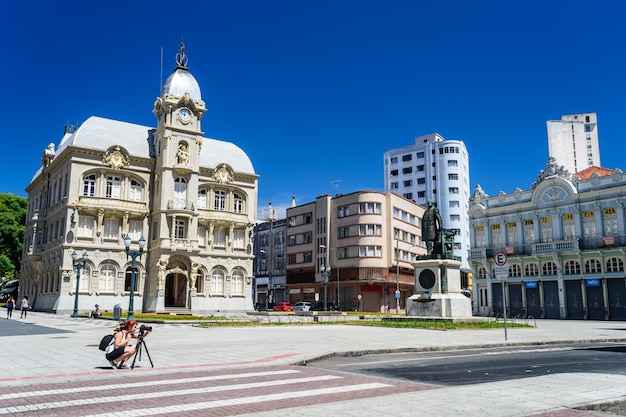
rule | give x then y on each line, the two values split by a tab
185	115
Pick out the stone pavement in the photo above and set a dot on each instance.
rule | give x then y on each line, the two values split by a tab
33	355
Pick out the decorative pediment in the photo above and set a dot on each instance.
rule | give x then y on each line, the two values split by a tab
223	174
116	159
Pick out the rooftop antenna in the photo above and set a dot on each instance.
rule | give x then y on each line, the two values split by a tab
161	75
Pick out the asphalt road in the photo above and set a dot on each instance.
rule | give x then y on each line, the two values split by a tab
467	367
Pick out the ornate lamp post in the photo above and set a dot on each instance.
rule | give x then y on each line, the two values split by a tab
325	270
133	254
78	266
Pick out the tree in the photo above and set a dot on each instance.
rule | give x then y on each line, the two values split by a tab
12	221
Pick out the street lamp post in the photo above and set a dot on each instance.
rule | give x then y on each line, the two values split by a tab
133	254
337	261
78	267
325	270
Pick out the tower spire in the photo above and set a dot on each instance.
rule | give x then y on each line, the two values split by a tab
181	57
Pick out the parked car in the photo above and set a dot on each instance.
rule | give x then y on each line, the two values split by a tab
302	306
283	306
319	306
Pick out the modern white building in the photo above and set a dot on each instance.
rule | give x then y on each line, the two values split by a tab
573	141
435	169
565	240
193	199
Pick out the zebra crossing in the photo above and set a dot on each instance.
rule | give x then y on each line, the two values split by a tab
220	393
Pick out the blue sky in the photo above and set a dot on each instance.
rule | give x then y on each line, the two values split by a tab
316	91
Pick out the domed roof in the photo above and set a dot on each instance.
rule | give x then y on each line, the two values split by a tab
181	82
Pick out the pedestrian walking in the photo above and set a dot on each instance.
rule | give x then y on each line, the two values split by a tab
10	306
24	306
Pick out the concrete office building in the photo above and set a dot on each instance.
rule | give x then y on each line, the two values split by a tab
566	243
193	199
368	238
573	141
435	169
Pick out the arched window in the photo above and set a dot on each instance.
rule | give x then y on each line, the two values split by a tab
237	282
482	273
593	266
480	237
202	199
200	282
614	265
180	193
511	234
114	185
529	231
531	270
496	236
85	275
134	194
515	270
217	282
128	278
546	229
569	229
220	200
238	203
107	278
589	225
610	221
548	268
89	185
572	268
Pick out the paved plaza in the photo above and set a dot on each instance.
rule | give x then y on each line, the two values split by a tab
51	365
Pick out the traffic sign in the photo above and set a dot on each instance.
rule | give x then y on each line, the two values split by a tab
501	269
500	258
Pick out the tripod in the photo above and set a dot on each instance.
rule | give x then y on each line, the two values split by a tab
141	344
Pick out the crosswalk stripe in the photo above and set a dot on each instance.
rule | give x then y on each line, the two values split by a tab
134	397
241	401
145	384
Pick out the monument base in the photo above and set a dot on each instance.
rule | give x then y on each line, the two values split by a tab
439	305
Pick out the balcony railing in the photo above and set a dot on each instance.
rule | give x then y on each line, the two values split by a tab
180	205
557	246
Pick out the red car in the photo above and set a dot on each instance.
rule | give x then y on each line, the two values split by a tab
283	306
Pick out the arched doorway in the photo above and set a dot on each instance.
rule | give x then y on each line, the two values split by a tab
176	288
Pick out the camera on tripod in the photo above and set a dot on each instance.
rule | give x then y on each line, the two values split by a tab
143	328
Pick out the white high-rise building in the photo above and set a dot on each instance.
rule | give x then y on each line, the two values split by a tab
435	169
573	141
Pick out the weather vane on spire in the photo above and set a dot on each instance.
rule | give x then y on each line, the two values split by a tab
181	58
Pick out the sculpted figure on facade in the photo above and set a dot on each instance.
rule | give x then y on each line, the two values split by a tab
223	175
116	159
183	154
161	273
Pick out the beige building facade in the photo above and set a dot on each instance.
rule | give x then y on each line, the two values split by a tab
193	199
368	238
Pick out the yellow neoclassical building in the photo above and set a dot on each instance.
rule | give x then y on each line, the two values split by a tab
193	200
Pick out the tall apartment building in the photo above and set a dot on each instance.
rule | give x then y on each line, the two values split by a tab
368	238
573	141
435	169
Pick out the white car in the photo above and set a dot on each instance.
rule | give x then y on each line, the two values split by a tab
302	306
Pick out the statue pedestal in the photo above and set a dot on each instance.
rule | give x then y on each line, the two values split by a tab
160	301
438	290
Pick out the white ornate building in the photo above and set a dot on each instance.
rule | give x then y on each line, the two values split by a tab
192	198
566	244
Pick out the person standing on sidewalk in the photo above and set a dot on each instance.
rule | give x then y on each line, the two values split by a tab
24	306
10	306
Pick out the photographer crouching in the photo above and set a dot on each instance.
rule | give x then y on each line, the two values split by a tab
120	351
